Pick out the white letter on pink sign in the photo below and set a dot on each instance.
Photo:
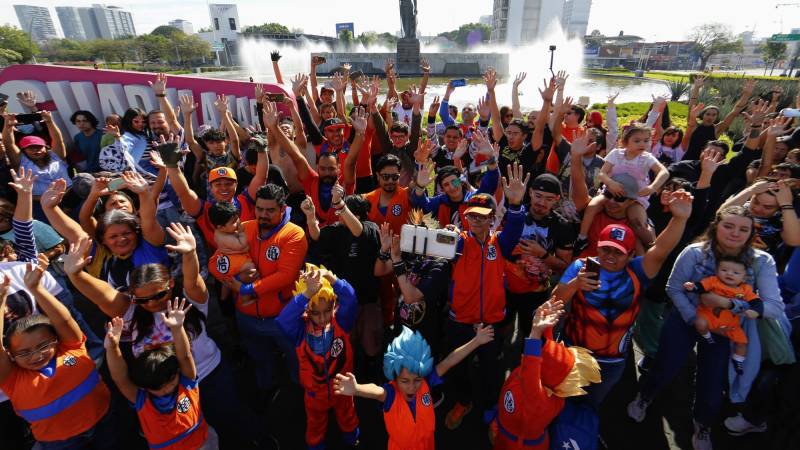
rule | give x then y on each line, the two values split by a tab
112	99
11	88
61	91
86	95
180	116
243	111
142	97
210	115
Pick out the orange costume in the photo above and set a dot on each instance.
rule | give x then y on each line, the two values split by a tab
243	202
226	266
69	401
396	210
724	318
407	431
181	427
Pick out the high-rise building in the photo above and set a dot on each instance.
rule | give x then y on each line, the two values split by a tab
71	24
36	21
575	19
224	21
517	22
183	25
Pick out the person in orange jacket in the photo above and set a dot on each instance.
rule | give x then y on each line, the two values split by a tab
411	422
533	395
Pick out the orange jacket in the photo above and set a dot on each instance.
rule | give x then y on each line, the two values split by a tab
182	428
407	432
279	257
246	209
396	211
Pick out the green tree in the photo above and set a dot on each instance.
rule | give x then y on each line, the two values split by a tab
712	39
191	48
119	50
153	48
66	50
771	52
461	35
267	28
9	56
368	38
346	38
167	32
18	42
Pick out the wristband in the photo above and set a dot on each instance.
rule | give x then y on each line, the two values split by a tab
384	256
785	207
492	160
338	206
161	95
400	268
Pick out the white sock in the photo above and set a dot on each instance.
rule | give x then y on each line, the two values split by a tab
739	358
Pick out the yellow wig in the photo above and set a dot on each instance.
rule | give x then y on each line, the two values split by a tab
325	293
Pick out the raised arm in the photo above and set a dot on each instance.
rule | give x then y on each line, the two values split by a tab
426	73
12	151
151	230
490	78
56	139
174	318
188	106
160	91
680	206
339	86
346	384
577	175
741	104
170	155
275	56
227	121
791	225
313	73
62	223
5	361
117	366
185	244
483	334
110	301
541	120
515	108
262	165
271	124
691	124
66	328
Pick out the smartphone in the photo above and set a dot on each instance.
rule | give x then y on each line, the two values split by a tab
592	265
116	184
428	241
320	59
458	82
356	75
275	97
24	119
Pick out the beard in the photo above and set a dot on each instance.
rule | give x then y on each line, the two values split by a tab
328	179
389	187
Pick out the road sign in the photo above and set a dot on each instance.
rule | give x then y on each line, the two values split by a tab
218	46
785	37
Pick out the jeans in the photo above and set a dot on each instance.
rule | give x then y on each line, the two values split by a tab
262	338
677	341
458	334
610	373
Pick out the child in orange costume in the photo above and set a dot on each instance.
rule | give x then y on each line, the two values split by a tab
162	386
533	395
729	283
232	257
318	321
48	375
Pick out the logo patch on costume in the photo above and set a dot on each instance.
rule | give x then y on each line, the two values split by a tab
491	253
70	360
571	445
396	210
508	402
426	399
618	234
336	347
273	252
222	171
183	404
223	264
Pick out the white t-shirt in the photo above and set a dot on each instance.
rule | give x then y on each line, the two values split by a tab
18	294
204	350
403	115
638	167
674	154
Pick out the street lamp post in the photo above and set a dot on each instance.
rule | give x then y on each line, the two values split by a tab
30	38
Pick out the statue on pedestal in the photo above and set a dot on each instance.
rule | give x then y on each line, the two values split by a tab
408	16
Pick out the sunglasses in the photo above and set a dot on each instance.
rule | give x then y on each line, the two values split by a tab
143	300
616	198
390	176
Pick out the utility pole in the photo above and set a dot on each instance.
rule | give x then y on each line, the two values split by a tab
30	38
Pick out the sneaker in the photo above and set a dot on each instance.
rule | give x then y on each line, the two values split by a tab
701	439
738	426
456	415
738	366
637	409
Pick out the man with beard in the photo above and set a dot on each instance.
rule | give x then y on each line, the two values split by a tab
389	203
319	184
278	248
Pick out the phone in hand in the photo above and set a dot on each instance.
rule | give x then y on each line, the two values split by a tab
278	98
25	119
320	59
592	265
458	82
116	184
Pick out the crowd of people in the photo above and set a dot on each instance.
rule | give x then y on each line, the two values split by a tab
574	239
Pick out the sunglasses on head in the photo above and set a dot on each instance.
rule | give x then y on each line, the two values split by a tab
150	298
390	176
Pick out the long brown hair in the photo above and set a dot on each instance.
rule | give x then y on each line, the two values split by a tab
709	238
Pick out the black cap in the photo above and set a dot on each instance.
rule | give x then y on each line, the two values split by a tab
329	122
546	182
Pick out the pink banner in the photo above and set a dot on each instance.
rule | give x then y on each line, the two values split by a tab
105	92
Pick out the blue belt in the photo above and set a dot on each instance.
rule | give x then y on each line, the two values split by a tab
514	438
65	401
178	437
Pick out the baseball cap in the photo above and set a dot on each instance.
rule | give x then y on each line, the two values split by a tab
331	122
596	119
483	204
618	236
30	141
546	182
221	172
628	183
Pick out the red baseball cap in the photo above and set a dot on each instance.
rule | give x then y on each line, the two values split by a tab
30	141
483	204
618	236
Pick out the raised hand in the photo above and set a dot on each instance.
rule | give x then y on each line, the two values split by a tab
34	271
566	106
156	161
561	79
169	149
434	108
135	182
259	93
337	194
386	235
611	99
490	79
699	81
484	108
23	183
270	115
424	65
47	116
113	333
275	55
160	85
680	204
359	120
112	130
449	90
549	90
546	316
345	384
659	103
221	104
758	113
695	112
581	146
388	67
176	313
187	104
484	334
710	161
299	84
461	149
519	79
184	239
6	283
27	99
338	82
514	186
307	206
76	258
424	175
482	144
423	151
417	97
313	279
747	87
777	126
54	194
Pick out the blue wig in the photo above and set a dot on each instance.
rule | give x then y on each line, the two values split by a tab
408	350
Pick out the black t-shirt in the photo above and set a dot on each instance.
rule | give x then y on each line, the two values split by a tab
274	176
352	258
702	135
527	157
432	277
443	157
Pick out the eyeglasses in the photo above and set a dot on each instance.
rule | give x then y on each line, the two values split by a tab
143	300
616	198
477	218
36	351
390	176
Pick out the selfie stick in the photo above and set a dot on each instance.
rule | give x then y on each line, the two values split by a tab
552	53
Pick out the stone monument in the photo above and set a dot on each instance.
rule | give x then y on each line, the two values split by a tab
408	46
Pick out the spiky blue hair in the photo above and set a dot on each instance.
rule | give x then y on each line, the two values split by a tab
408	350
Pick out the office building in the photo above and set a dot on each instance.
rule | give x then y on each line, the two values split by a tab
575	18
71	24
183	25
224	21
517	22
36	21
